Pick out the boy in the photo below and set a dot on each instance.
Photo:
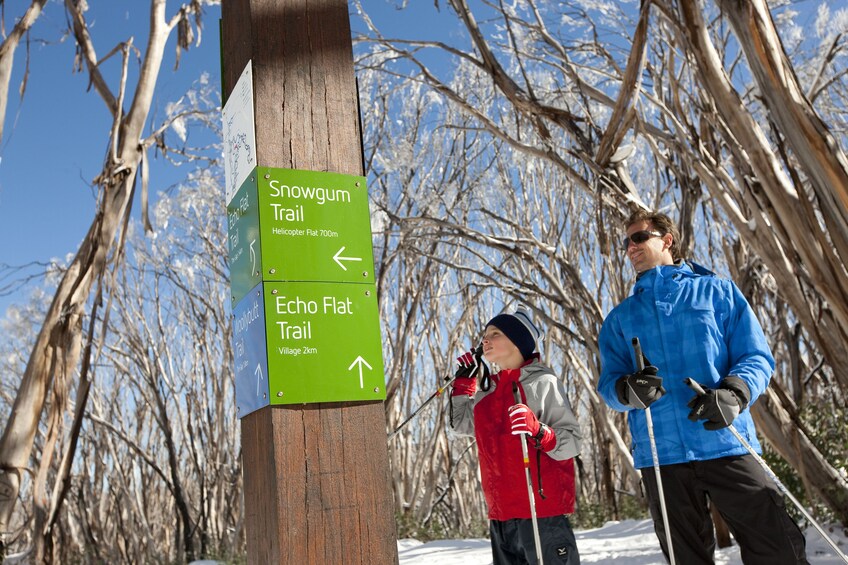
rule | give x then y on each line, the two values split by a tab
544	414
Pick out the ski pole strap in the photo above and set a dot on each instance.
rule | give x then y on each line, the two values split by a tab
450	410
539	473
539	435
486	380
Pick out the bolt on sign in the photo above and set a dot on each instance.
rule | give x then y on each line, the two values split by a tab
306	324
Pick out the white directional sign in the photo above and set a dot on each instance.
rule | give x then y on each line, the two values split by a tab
239	133
359	362
342	260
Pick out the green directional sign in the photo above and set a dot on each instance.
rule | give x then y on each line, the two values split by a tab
313	226
323	342
245	258
306	321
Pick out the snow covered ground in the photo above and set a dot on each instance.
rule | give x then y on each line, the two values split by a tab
630	541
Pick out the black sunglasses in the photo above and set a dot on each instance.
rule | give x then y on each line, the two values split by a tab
640	237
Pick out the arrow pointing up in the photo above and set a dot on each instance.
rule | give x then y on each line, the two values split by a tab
259	378
338	259
359	361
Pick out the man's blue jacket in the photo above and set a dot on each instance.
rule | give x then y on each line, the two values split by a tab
690	323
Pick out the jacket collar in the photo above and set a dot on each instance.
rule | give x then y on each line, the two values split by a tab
681	268
509	375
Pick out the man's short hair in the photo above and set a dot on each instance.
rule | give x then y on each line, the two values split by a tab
662	224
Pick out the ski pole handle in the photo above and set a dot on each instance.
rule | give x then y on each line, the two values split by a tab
477	354
637	349
691	383
517	396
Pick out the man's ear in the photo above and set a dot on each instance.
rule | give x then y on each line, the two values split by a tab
668	240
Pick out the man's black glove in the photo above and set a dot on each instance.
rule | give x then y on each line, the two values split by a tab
640	389
722	405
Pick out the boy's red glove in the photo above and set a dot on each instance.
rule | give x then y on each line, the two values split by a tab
464	384
522	420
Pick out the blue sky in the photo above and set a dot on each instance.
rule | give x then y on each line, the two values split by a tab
55	137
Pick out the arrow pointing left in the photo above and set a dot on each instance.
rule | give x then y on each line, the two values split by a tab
338	259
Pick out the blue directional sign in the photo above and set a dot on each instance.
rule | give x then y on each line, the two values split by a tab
250	353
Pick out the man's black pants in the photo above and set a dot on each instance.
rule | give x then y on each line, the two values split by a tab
745	497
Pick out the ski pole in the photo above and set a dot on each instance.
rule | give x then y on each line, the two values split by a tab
700	391
640	365
478	352
524	453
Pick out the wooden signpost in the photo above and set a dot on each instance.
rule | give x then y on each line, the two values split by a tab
306	328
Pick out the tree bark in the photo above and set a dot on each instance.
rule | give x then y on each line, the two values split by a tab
787	438
55	355
7	54
783	206
807	135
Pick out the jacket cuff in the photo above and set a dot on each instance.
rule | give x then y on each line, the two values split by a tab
545	439
621	391
738	387
464	386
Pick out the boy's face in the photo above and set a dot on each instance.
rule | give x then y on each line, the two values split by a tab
497	348
656	250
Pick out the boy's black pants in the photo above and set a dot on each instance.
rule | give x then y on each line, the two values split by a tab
513	542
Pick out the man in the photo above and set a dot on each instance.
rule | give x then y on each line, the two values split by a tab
544	416
692	324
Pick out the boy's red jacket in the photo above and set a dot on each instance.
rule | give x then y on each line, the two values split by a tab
501	461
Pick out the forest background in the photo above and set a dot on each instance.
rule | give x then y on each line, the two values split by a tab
504	143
